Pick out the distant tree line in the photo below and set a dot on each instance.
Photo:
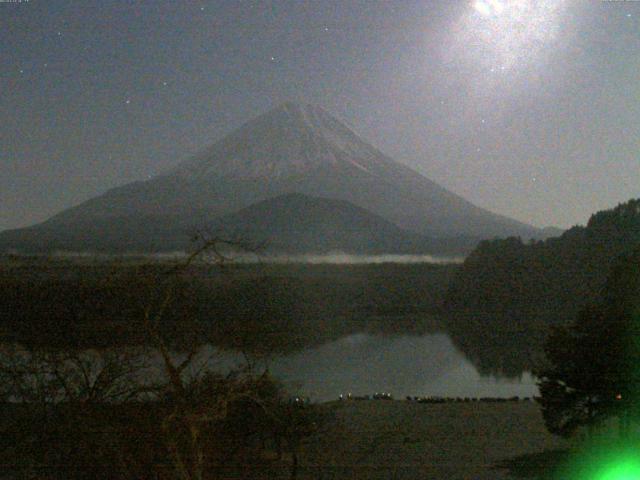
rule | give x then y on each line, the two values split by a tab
507	295
69	303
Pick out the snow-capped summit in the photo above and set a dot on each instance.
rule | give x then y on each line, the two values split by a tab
288	140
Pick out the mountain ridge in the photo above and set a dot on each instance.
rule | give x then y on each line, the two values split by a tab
294	149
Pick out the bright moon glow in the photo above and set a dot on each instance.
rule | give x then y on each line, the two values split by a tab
489	7
507	34
482	8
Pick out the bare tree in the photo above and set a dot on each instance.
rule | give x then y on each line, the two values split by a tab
198	404
159	408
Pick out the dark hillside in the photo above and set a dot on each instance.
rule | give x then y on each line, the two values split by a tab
508	293
296	223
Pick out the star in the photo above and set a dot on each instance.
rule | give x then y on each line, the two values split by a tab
164	83
21	71
202	9
273	59
326	29
127	101
59	34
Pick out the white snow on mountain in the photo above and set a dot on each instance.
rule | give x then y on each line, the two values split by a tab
291	139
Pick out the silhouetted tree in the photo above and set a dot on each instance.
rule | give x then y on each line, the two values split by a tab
505	297
593	369
157	410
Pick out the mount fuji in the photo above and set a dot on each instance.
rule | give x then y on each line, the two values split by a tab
293	149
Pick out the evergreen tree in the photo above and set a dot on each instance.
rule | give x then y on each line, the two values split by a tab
593	369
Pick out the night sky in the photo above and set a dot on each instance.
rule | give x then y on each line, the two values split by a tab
530	108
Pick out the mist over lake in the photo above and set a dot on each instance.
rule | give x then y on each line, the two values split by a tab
330	258
339	258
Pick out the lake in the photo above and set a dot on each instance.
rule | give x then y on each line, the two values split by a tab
363	364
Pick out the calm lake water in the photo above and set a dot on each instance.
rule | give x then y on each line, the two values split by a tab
363	364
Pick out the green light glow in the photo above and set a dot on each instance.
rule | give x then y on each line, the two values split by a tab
603	461
623	469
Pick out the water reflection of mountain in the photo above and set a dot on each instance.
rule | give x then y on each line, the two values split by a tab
362	364
264	310
284	307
